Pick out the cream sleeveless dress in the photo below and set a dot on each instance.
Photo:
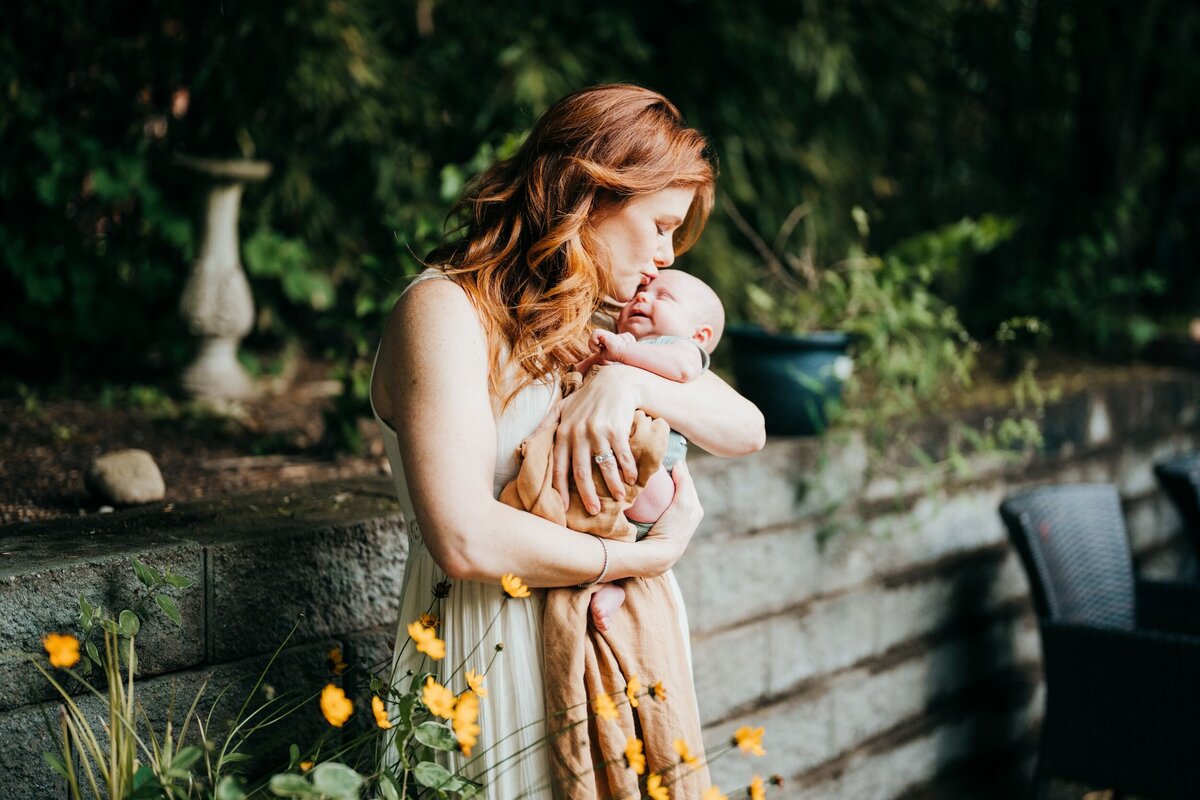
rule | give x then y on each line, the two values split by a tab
510	757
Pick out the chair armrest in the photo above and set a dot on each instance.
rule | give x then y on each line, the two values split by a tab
1169	606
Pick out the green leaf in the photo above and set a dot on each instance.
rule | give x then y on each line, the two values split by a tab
169	608
109	626
336	780
435	776
291	786
57	765
143	776
85	611
439	737
93	652
148	791
294	754
229	789
404	711
129	622
178	581
232	758
145	574
186	757
387	785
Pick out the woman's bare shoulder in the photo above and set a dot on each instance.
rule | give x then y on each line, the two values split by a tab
434	317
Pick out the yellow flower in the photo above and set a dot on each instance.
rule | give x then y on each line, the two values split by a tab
305	766
465	716
605	707
713	793
655	790
659	691
427	641
685	753
335	658
475	681
336	707
438	699
63	649
428	620
514	585
380	713
631	689
634	756
756	789
749	740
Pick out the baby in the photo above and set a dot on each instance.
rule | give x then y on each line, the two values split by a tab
669	328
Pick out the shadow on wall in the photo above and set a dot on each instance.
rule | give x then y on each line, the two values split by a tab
980	692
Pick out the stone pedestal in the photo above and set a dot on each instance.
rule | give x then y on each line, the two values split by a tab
216	302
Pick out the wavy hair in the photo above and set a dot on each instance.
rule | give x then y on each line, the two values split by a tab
527	255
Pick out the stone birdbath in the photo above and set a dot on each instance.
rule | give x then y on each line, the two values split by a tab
216	303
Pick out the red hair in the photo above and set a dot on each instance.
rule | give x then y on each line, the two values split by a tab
528	257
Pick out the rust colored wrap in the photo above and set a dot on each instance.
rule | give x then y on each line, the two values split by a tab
644	640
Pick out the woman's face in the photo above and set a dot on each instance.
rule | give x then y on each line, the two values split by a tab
638	235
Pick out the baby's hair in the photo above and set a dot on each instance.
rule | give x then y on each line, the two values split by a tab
707	307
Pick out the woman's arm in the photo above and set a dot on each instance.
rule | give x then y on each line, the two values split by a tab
598	417
432	387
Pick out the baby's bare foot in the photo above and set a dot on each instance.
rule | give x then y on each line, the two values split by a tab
605	602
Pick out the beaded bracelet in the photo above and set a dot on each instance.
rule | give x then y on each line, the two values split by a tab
603	570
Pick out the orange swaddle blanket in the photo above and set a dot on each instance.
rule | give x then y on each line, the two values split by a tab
644	640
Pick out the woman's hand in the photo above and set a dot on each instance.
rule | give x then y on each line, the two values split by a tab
595	420
675	527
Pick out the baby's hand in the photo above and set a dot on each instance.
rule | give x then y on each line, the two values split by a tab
609	346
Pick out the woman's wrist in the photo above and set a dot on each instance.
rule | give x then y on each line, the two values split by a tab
647	558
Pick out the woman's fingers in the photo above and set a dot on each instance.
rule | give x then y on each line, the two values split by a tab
581	469
595	420
627	464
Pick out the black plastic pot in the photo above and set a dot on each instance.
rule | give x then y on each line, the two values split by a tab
792	378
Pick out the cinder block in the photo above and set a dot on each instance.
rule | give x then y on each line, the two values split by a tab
729	581
832	634
330	580
789	478
40	584
798	737
731	668
24	735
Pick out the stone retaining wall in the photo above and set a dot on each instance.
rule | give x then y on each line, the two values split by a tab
878	627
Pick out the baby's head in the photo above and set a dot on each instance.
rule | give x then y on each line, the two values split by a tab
675	304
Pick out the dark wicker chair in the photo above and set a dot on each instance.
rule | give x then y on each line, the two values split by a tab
1120	657
1180	478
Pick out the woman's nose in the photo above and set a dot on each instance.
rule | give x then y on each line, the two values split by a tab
665	256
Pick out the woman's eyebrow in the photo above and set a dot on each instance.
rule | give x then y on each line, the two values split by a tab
671	220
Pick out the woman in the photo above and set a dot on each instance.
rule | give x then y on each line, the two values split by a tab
608	186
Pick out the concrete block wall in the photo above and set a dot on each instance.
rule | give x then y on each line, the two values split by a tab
878	626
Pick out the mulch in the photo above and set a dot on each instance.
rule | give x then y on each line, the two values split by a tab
51	434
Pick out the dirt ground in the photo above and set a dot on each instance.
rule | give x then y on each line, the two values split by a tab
49	436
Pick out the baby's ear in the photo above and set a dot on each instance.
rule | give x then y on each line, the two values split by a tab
703	335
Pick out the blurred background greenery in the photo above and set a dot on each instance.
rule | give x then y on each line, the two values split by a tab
1075	122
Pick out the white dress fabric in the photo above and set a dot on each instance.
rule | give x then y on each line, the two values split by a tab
510	757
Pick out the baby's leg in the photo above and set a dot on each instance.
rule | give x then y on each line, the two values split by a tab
654	499
647	508
605	602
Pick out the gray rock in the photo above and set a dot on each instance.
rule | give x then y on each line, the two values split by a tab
124	478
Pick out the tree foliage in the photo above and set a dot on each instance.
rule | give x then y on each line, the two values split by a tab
1078	120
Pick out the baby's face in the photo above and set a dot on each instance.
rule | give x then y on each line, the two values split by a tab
667	306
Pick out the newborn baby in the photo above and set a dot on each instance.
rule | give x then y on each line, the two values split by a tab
669	328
